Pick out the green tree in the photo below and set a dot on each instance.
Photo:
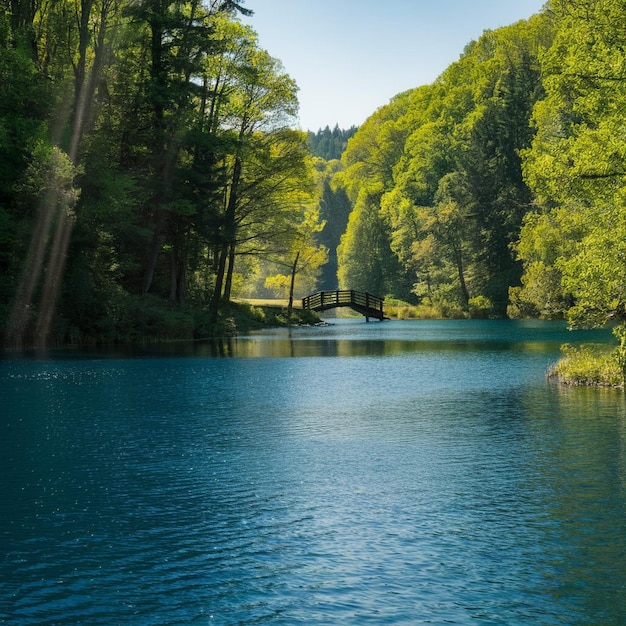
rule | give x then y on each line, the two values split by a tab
306	257
261	106
576	164
364	258
329	145
469	128
24	109
335	210
363	251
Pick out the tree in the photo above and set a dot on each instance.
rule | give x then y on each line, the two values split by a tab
50	179
335	209
174	151
329	145
469	129
364	258
24	109
576	164
260	108
306	257
544	239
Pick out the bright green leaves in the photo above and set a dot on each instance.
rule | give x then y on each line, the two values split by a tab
365	259
174	128
595	274
545	240
438	171
575	253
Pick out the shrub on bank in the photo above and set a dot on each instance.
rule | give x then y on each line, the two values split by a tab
240	318
480	307
401	310
131	319
427	309
592	364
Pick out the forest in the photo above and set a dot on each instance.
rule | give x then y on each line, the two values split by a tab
153	173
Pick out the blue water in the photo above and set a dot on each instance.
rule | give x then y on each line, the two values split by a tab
381	473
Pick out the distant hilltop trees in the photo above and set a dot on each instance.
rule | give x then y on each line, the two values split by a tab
330	144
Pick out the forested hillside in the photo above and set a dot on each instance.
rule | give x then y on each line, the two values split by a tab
435	178
329	144
501	188
151	172
149	167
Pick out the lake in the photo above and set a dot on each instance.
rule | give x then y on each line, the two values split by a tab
383	473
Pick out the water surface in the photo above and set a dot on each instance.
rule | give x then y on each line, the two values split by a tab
384	473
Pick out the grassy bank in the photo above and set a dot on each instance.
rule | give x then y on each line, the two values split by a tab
242	317
148	319
400	310
592	365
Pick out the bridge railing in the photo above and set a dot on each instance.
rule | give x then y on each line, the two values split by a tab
345	297
367	300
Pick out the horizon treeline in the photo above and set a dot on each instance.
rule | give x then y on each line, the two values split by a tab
329	144
152	172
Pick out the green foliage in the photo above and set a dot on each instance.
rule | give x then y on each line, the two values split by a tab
480	307
364	263
440	167
163	147
329	144
364	258
24	106
334	210
620	351
573	249
159	135
238	318
588	365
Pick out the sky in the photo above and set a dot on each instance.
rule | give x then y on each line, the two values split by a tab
350	57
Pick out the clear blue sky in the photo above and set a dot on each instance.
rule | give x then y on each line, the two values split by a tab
350	57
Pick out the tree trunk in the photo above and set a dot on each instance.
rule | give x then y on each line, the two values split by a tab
219	282
458	256
228	244
22	17
294	269
155	247
229	273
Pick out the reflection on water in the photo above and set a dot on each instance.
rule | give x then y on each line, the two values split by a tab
393	473
350	338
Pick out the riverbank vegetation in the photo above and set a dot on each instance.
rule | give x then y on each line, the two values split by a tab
152	174
500	189
590	365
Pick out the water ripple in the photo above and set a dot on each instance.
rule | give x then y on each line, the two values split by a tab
426	486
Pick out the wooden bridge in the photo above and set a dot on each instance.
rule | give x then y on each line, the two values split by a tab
361	302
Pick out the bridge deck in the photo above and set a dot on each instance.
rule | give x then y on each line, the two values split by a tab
362	302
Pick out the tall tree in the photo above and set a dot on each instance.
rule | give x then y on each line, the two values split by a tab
467	129
261	106
576	168
334	208
364	259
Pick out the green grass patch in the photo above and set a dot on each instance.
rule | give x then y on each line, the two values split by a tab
272	302
401	310
590	364
238	318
